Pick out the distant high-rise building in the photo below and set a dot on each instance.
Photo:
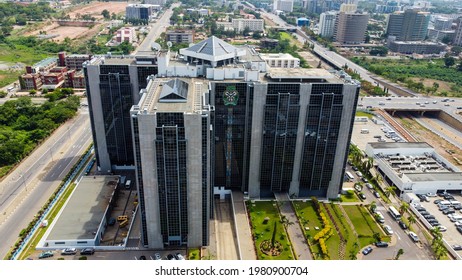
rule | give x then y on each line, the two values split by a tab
138	12
327	24
348	8
410	25
350	28
388	7
113	85
283	5
458	33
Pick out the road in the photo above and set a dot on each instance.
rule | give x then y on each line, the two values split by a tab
156	29
24	191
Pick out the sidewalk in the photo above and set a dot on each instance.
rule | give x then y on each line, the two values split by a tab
246	244
301	248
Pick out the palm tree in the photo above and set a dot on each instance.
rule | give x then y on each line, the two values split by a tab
378	178
373	205
399	253
389	190
411	219
403	207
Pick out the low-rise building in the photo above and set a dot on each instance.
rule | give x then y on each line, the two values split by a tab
180	36
240	24
125	34
281	60
414	167
417	47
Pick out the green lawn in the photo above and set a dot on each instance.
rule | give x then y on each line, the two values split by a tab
20	53
363	114
364	224
349	196
309	220
8	77
259	210
194	254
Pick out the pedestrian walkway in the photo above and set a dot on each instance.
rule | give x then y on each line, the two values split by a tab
245	240
301	248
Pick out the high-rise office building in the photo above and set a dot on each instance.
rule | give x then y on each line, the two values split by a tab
215	116
327	24
410	25
172	136
350	28
113	85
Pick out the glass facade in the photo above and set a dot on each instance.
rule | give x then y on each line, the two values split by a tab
233	124
139	178
322	127
280	123
116	100
172	178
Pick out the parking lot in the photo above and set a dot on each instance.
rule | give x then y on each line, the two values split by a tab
361	139
452	236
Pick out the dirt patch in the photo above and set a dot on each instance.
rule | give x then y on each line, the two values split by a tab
444	86
95	8
423	134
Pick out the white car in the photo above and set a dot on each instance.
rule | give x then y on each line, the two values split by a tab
69	251
388	229
442	228
431	194
414	236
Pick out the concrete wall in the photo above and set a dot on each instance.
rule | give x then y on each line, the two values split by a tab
305	90
343	142
97	112
193	131
259	100
147	123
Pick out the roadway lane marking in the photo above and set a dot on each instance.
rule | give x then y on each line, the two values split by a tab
398	236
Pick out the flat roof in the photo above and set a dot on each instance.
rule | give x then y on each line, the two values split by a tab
85	209
395	145
299	73
192	103
435	176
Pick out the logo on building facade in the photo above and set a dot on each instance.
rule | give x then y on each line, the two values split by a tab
230	96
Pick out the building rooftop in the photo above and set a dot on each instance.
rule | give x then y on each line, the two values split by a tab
299	73
430	176
45	62
211	49
85	209
277	56
173	95
395	145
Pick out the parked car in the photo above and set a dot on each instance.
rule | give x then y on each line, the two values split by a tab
436	201
171	257
367	251
457	207
457	247
381	244
388	229
420	208
431	194
449	211
442	228
429	217
413	236
354	168
142	258
179	257
402	224
369	186
87	251
357	187
157	257
364	180
376	194
362	196
46	254
69	251
459	229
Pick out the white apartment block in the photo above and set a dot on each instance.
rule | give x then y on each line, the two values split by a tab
327	24
126	34
281	60
283	5
240	24
156	2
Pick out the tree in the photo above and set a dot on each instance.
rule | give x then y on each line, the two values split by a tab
446	40
389	190
411	219
459	66
399	253
106	14
449	61
403	207
456	50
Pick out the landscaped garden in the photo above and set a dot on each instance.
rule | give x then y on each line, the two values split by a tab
268	231
334	231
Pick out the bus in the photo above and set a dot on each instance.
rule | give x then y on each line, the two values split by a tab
394	213
349	176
